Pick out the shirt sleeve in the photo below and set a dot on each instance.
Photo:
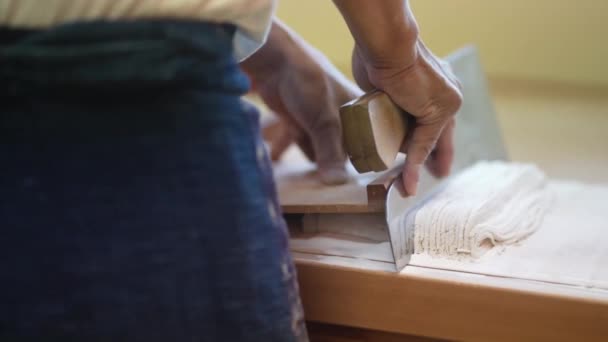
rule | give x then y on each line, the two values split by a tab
253	30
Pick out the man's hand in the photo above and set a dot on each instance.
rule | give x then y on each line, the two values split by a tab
305	90
429	91
389	56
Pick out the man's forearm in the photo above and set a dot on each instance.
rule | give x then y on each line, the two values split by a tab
285	48
271	56
381	27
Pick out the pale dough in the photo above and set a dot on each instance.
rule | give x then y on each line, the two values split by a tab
570	247
489	205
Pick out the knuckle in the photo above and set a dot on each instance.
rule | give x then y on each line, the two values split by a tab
444	106
456	99
452	101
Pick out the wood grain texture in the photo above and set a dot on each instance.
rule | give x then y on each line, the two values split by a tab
378	188
319	332
300	190
445	309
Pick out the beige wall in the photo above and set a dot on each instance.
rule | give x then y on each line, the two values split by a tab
554	40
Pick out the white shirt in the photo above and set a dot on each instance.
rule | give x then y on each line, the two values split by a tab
251	17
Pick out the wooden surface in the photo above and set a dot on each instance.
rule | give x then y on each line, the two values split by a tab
364	292
301	192
465	309
320	332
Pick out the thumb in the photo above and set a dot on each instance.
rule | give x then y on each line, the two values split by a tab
419	147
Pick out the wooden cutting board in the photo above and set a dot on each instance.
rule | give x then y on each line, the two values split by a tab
300	190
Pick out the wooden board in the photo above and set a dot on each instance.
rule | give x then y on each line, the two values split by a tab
350	280
300	190
319	332
440	304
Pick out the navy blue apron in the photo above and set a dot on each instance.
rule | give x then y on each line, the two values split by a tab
136	198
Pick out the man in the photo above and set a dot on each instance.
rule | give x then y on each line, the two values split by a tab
138	201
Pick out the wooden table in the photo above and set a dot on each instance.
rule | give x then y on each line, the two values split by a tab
561	129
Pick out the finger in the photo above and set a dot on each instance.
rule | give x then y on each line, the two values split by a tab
320	126
283	139
419	147
440	160
326	140
305	145
280	142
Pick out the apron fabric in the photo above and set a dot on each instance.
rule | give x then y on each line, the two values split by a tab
136	197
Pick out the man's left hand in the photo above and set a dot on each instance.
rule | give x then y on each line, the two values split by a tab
305	90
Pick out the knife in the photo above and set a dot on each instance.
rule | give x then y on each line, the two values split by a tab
374	128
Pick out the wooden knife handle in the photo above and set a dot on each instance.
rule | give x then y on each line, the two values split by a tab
373	129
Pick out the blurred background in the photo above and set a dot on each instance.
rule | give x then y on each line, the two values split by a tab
548	40
545	60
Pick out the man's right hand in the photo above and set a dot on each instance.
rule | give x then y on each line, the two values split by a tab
428	90
389	56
